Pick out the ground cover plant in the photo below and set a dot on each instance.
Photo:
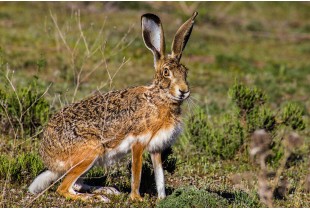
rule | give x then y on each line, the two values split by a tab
249	71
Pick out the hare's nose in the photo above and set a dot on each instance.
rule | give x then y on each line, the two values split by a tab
183	92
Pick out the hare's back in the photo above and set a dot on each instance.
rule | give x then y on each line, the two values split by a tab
105	117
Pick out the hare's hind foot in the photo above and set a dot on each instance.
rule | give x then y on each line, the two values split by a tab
86	197
80	187
106	190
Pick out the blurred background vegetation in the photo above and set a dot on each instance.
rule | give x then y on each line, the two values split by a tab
249	69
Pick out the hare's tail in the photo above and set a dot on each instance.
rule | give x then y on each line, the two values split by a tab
42	181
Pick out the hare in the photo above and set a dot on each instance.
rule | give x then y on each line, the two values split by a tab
108	126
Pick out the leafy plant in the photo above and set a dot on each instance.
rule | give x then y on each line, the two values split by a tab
23	111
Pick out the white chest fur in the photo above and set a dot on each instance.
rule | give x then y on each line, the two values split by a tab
164	138
161	140
113	155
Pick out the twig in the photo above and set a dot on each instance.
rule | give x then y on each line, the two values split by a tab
37	99
280	170
81	32
19	102
60	33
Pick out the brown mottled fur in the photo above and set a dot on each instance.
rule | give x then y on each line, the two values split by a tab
80	133
106	120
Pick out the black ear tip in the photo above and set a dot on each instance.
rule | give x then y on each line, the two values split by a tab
151	16
194	15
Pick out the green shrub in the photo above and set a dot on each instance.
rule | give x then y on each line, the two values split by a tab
243	200
254	113
21	167
291	116
191	197
246	99
260	118
220	138
23	111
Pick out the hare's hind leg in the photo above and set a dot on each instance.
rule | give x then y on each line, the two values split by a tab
81	163
81	187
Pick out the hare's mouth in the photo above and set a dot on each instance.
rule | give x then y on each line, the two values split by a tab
181	97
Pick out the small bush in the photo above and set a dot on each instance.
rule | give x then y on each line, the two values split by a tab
191	197
217	139
20	168
24	111
260	118
243	200
223	136
246	99
254	113
291	116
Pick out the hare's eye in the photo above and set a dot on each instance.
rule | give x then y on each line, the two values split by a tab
166	72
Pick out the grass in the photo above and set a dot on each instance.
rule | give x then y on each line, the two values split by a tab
79	47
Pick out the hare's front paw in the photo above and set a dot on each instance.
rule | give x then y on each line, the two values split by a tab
135	197
161	197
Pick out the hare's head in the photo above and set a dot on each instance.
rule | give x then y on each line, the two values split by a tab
170	74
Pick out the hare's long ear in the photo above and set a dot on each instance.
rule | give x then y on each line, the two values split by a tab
153	36
181	37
